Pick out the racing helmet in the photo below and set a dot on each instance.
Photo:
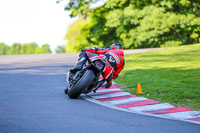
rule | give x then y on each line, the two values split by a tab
116	45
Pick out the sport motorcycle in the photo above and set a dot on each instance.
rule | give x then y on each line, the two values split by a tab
88	78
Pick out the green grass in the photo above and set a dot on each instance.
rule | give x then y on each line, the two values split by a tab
169	75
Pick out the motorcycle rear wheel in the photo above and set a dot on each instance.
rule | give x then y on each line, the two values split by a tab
82	84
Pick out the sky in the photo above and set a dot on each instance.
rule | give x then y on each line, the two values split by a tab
40	21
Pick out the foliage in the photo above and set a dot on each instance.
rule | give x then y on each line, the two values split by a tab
60	49
75	35
169	75
4	48
171	44
15	49
46	49
28	48
134	23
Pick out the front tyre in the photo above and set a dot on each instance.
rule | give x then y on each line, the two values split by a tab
82	84
66	91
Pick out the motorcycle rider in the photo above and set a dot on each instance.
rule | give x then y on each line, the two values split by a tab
115	61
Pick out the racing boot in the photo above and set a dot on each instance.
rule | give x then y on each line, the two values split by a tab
100	83
79	65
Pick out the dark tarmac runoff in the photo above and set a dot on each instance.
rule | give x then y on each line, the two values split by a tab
32	100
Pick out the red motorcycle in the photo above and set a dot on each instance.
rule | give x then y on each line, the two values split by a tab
87	79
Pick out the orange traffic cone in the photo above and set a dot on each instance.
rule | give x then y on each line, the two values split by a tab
139	89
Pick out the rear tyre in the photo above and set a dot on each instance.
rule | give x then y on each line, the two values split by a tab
82	84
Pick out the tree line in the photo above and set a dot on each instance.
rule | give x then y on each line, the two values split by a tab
133	23
27	48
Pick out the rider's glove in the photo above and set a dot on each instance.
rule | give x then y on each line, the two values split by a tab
115	77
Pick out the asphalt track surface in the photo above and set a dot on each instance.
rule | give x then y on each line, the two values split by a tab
32	100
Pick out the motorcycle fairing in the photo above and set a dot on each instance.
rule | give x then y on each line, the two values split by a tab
93	57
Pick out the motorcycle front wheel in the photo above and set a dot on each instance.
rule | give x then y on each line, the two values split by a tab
82	84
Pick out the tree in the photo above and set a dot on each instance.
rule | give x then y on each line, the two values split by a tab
23	49
27	48
134	23
31	48
77	36
79	7
15	49
60	49
4	49
46	49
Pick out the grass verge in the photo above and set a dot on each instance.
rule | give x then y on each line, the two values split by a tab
169	75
